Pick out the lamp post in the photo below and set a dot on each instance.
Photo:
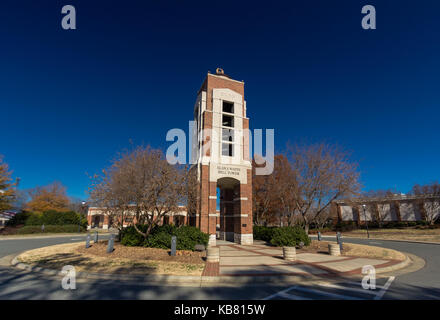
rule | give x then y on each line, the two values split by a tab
366	221
83	204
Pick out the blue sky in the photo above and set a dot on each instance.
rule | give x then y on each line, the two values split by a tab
70	100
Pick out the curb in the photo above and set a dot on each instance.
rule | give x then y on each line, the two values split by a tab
163	279
381	239
195	280
397	266
50	236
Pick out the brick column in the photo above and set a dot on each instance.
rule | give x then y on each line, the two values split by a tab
204	200
89	221
243	216
397	210
105	224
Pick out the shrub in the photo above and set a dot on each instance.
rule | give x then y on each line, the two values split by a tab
263	233
50	229
53	218
345	226
131	238
19	218
34	219
158	240
289	237
160	237
188	237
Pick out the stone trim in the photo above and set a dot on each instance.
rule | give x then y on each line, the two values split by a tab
246	239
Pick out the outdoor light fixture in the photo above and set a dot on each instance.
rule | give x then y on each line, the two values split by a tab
366	221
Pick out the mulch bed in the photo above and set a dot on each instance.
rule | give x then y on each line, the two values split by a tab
142	253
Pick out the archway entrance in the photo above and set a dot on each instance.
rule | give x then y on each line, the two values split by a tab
229	203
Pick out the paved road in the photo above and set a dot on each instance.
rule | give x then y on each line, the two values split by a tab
422	284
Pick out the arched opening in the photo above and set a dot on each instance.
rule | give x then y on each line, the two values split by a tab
229	206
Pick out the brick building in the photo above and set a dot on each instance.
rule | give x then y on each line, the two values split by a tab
396	208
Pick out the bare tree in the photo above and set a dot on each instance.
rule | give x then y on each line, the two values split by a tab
379	203
7	186
322	219
324	173
140	183
266	193
429	199
191	193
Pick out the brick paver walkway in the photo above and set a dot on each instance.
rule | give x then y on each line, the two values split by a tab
263	260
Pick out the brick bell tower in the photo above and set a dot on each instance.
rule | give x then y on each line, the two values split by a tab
224	169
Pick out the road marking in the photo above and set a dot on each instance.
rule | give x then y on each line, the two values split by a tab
76	239
329	294
384	289
374	242
281	292
335	286
292	297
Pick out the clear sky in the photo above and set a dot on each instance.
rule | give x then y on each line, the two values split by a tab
70	100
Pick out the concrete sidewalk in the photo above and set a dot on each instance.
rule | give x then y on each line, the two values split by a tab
263	260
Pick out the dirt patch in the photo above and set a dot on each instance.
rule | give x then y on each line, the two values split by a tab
126	260
141	253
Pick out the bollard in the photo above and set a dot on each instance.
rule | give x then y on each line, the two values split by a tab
338	236
289	253
334	249
88	241
42	228
213	254
173	245
340	243
95	240
111	243
319	236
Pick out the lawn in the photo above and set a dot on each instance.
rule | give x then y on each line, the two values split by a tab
412	234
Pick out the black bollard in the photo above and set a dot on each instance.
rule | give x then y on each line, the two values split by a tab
111	243
340	242
319	236
173	245
88	241
95	240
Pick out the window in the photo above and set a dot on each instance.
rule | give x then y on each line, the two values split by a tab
227	149
228	107
228	121
228	135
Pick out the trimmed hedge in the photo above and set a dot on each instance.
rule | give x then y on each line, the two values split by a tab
48	218
263	233
160	237
71	228
55	218
282	236
289	237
